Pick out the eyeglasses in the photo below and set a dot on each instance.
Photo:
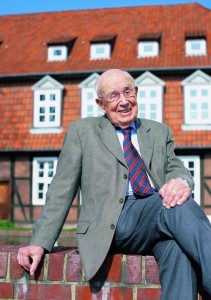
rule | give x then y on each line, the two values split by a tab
115	96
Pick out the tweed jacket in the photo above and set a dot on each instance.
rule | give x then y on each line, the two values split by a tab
92	160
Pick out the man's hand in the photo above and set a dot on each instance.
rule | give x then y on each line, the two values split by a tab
29	257
175	192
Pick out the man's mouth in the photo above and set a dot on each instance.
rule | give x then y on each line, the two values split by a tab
124	110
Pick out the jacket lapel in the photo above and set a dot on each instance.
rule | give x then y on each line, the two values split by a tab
146	141
109	138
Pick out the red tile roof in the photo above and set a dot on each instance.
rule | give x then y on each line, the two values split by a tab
24	51
25	38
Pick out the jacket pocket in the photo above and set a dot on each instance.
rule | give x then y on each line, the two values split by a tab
82	226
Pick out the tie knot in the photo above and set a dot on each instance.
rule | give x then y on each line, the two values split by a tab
127	130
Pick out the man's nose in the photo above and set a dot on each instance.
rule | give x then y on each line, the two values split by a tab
122	98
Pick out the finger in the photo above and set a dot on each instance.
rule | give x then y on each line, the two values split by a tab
34	265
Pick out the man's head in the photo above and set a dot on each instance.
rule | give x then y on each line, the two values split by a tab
117	97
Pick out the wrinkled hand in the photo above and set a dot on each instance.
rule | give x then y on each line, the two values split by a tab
29	257
175	192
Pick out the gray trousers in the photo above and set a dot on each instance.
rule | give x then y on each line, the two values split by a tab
179	238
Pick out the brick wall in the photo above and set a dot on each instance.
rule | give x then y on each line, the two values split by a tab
60	276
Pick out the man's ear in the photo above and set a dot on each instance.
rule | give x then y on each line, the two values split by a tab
101	104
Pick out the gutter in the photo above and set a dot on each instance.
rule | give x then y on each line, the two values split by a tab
81	73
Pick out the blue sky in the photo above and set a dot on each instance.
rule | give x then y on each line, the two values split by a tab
8	7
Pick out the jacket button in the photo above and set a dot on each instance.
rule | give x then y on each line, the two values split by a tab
121	200
125	176
112	226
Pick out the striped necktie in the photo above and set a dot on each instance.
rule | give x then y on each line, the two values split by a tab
137	171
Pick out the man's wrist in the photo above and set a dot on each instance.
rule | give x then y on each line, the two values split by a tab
185	181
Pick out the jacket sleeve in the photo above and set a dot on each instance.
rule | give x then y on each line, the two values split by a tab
175	167
61	192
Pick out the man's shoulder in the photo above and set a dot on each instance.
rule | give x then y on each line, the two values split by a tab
152	124
89	121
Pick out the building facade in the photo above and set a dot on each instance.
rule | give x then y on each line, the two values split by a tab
49	64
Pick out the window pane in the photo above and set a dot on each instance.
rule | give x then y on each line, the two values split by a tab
153	106
57	52
193	93
40	186
100	50
50	164
204	93
142	94
50	174
89	108
153	116
152	94
42	97
52	118
190	164
204	105
52	97
41	173
42	118
148	48
90	95
42	110
195	46
52	109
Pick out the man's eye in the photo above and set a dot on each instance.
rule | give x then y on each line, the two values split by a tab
113	95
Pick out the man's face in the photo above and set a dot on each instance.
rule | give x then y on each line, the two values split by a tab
123	111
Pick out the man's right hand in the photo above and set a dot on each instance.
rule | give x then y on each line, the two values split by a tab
29	257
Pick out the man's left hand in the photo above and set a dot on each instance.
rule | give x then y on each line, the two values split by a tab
175	192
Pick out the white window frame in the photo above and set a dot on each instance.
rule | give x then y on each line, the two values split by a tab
47	106
189	44
44	180
149	83
195	172
88	103
54	57
94	47
142	45
88	89
149	101
195	116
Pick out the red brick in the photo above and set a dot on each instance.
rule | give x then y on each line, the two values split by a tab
133	269
16	271
84	292
108	293
74	267
6	290
3	264
44	291
56	263
110	269
148	294
152	275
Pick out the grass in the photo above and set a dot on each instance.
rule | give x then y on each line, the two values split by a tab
8	225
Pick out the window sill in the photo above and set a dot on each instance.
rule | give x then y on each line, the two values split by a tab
190	127
46	130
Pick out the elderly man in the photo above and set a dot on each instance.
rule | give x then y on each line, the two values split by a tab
135	195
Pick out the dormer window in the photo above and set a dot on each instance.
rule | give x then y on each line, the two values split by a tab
195	46
100	51
148	48
101	47
57	53
59	49
149	45
89	107
197	104
150	96
47	105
